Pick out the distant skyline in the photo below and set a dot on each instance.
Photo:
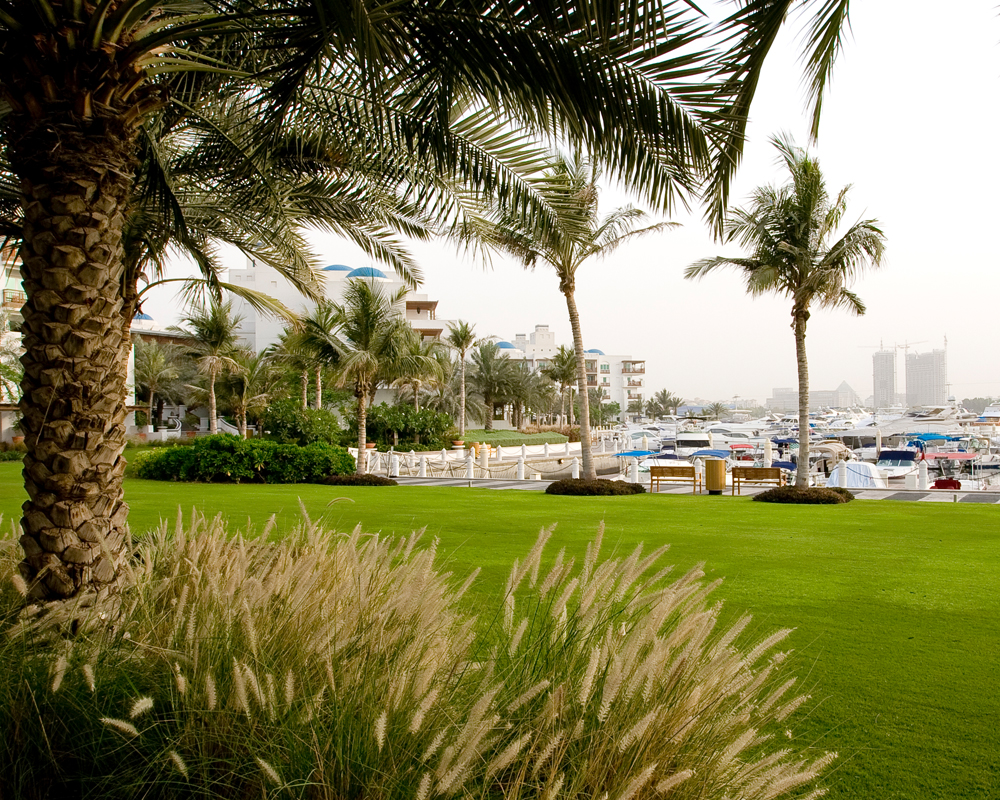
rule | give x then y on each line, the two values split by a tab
909	122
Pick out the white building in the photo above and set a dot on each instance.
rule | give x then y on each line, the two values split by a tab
884	378
927	378
620	377
259	331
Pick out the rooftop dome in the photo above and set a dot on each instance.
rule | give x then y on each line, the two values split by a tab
142	316
596	352
506	346
338	268
366	272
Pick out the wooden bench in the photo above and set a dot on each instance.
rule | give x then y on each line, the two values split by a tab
658	475
741	475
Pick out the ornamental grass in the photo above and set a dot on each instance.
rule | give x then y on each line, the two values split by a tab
344	665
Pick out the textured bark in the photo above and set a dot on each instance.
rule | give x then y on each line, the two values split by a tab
305	389
361	395
461	422
319	387
75	181
802	466
588	471
213	413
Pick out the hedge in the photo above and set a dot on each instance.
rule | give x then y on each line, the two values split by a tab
816	495
227	458
581	487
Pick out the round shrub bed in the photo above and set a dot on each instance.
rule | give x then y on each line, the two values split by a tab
358	480
229	459
815	495
582	488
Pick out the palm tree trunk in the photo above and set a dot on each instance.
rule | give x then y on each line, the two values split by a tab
213	416
305	388
461	401
802	467
362	433
562	406
319	387
589	471
73	391
149	420
488	413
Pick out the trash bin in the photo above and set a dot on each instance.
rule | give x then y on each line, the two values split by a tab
715	475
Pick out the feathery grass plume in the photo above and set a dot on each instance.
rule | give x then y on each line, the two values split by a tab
240	684
89	678
269	771
637	731
554	575
179	680
178	762
667	784
140	707
515	640
546	753
417	721
289	688
380	724
210	694
637	782
612	683
554	787
506	756
588	677
423	790
508	614
20	586
433	747
59	671
529	695
121	726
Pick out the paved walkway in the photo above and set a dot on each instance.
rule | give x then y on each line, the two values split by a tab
911	495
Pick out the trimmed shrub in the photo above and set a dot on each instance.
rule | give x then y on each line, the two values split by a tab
326	665
815	495
581	487
288	422
358	480
228	458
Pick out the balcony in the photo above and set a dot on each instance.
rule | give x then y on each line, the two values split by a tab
634	383
633	368
591	366
13	298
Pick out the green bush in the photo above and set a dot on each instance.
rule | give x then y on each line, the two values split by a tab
228	458
401	422
326	665
358	480
815	495
11	455
288	422
583	488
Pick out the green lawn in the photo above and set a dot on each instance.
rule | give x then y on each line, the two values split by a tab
895	605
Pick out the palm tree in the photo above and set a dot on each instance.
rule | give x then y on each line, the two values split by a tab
423	368
313	340
716	410
492	375
156	369
577	235
562	371
443	394
372	343
461	336
664	402
212	333
789	232
248	383
378	80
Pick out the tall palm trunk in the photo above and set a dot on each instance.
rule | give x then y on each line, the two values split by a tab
213	415
362	396
319	387
75	178
149	419
589	471
562	406
461	401
802	467
305	388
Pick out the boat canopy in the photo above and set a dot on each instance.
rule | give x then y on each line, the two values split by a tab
710	454
636	453
898	455
951	456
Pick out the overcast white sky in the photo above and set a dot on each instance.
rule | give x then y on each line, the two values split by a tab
910	122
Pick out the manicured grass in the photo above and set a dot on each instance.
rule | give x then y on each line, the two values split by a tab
894	604
513	438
